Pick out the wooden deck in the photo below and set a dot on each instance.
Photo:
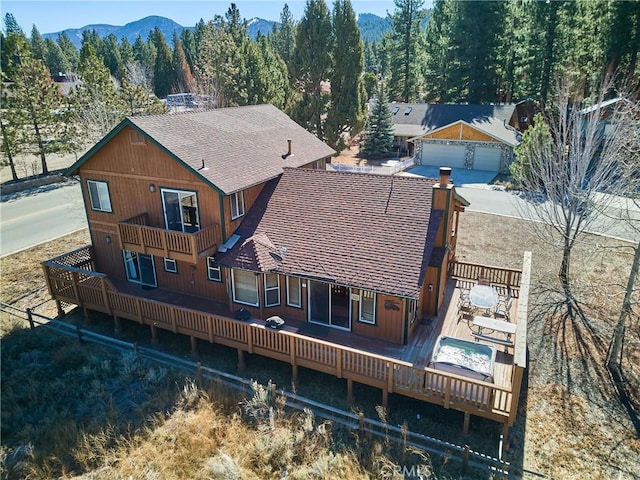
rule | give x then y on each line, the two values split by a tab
393	368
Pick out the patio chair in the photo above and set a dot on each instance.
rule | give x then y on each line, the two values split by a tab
503	309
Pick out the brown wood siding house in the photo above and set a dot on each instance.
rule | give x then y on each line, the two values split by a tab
366	254
162	193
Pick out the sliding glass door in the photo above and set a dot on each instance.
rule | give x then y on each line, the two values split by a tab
180	210
329	305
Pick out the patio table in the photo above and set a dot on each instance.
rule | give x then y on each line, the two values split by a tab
483	296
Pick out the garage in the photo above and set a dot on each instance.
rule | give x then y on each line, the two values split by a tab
442	155
487	158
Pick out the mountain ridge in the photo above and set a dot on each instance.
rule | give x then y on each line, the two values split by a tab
371	26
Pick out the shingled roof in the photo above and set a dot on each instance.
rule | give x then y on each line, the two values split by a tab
373	232
240	146
415	119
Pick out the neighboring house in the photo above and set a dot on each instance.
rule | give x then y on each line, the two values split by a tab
480	137
208	224
606	112
362	253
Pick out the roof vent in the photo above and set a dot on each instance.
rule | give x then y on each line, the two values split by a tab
289	153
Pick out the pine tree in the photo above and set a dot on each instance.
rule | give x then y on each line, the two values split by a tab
278	91
69	51
283	36
346	111
96	103
310	66
184	81
379	129
38	47
56	60
405	56
30	102
442	79
164	75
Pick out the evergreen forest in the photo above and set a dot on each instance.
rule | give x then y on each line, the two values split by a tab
318	69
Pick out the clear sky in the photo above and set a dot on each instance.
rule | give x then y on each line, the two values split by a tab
54	15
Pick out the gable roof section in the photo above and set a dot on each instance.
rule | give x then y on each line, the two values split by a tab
374	232
427	118
240	146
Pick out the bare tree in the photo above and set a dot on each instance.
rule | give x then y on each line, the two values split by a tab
630	159
572	164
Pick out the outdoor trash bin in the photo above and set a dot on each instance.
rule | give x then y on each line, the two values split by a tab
242	314
275	322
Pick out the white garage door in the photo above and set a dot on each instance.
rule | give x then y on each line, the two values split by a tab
487	158
440	155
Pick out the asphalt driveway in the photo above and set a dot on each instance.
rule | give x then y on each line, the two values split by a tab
461	177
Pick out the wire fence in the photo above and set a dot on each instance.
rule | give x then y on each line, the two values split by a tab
464	455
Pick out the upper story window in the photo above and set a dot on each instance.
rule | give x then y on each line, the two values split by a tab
99	196
237	205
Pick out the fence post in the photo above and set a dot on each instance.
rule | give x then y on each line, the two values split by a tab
30	318
465	458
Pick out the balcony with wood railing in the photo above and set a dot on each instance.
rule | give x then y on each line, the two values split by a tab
71	279
137	235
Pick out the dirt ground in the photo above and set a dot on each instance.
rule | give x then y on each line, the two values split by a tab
571	423
29	165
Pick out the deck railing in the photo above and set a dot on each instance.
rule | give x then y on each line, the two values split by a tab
137	236
497	275
94	291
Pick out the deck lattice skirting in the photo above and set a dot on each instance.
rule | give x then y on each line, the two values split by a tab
71	279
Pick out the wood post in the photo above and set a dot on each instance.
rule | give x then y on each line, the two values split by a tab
61	312
294	374
465	458
349	391
117	325
154	335
194	346
465	425
505	435
385	397
241	363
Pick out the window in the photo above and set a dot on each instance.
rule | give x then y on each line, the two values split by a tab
213	270
245	287
237	205
99	196
395	110
271	290
294	294
170	265
368	306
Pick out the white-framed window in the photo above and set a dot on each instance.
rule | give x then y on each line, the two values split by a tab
213	270
170	265
245	287
271	290
294	292
368	306
237	205
99	196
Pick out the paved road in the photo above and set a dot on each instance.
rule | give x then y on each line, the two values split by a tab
38	216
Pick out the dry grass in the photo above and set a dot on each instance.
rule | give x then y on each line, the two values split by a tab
22	283
571	424
574	425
